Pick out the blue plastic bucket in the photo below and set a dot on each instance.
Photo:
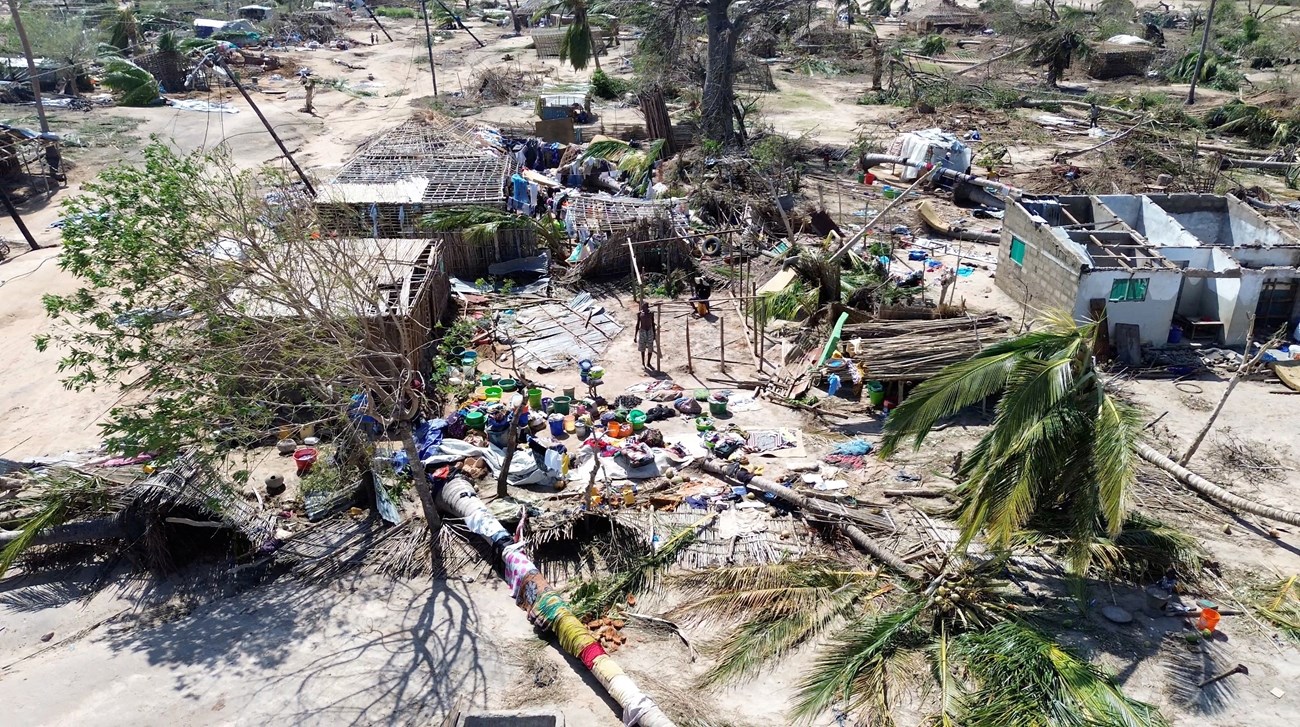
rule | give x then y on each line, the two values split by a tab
557	426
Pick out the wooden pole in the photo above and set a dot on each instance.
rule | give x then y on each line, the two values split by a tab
722	341
640	294
31	66
381	25
897	201
428	43
456	18
659	346
269	129
1200	57
833	517
690	367
18	220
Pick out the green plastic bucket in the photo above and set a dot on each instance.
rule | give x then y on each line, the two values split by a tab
560	405
535	399
508	384
876	391
717	408
637	418
475	420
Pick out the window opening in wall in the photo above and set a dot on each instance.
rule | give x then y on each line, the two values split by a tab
1018	251
1129	290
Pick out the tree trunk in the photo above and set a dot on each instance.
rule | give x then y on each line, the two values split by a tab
512	443
422	488
877	64
718	104
1202	486
79	532
855	534
31	65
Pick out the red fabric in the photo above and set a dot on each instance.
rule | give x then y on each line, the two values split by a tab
589	654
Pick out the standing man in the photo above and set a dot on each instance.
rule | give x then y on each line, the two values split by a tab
645	334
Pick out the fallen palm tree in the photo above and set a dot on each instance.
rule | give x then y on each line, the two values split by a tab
1211	491
546	607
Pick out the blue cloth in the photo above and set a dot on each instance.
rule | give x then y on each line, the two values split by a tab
857	447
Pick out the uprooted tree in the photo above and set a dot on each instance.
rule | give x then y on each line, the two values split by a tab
210	300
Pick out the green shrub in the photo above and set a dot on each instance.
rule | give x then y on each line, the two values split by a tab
395	12
607	87
933	45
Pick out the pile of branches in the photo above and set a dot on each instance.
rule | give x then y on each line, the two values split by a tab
503	84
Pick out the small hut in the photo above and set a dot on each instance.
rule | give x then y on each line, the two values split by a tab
1116	60
940	15
404	173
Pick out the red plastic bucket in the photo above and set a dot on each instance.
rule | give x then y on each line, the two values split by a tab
304	457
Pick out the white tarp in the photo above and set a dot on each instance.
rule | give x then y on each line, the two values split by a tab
932	146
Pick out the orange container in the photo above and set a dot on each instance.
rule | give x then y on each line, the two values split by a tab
1208	620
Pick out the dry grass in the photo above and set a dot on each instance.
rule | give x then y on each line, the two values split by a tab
1245	460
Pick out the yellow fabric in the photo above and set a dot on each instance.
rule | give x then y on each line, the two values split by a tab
573	634
605	669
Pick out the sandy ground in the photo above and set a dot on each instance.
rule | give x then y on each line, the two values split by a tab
373	651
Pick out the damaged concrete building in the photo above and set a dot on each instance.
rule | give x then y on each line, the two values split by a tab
1195	265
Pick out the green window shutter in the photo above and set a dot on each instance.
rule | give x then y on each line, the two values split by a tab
1018	251
1118	291
1137	289
1130	290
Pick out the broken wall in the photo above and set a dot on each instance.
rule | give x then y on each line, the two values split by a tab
1153	316
1048	275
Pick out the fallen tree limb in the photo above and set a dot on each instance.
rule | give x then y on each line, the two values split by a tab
1233	163
1038	103
78	532
856	535
1202	486
1014	51
1111	140
920	492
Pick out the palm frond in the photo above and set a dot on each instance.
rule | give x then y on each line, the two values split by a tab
774	633
66	494
853	669
480	225
598	595
1025	678
949	692
54	513
577	46
1143	551
136	86
1279	603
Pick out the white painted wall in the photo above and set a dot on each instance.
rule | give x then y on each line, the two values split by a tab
1153	316
1160	228
1249	227
1251	283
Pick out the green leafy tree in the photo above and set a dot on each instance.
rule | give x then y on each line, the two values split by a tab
55	37
207	296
